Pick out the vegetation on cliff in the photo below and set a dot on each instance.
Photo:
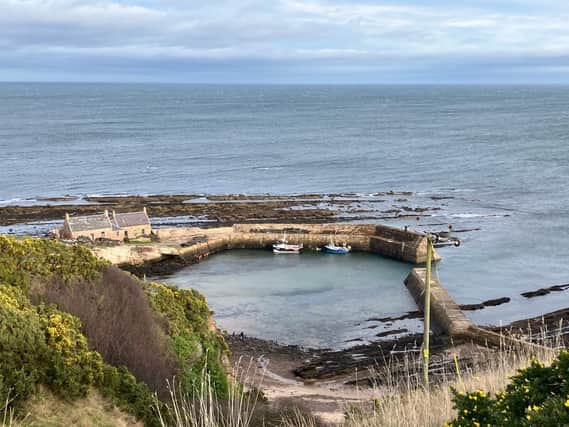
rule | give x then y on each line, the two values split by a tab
75	328
537	395
70	322
197	345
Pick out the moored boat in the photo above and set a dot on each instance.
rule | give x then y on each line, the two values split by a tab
332	248
283	247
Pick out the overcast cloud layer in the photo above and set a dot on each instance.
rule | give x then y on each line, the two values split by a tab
285	41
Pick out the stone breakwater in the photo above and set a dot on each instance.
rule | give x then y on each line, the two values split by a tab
186	245
448	316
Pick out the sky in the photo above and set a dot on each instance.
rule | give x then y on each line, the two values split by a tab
285	41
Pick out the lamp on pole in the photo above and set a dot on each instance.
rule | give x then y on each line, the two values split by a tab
427	312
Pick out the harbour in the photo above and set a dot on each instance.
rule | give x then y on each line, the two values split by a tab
284	213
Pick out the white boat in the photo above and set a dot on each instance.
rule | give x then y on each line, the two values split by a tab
283	247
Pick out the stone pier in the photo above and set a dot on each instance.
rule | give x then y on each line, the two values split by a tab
448	316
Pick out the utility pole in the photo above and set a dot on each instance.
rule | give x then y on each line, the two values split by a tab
427	312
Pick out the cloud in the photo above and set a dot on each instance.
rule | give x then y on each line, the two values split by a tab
308	37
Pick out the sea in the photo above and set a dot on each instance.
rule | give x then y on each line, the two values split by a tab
493	158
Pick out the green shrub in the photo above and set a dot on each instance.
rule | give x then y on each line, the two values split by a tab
73	367
118	322
23	260
196	345
536	396
23	348
135	397
43	345
40	344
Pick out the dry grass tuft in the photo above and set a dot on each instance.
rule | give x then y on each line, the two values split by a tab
299	419
205	409
6	413
406	403
400	400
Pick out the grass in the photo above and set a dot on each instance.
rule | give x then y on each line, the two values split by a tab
241	407
400	400
45	409
204	407
404	402
7	413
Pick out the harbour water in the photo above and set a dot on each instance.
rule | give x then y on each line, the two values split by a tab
313	299
492	158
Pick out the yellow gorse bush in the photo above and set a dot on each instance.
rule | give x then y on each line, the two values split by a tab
8	301
23	259
40	344
537	395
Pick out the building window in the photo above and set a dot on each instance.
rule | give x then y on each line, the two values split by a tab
143	231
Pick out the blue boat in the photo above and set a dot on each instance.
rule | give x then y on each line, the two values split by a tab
331	248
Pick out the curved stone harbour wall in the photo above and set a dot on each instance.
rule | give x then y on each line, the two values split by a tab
191	244
179	247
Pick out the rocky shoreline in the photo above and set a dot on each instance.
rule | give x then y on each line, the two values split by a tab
229	209
366	364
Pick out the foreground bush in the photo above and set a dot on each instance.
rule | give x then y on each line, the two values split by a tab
22	261
22	345
197	345
119	322
536	396
40	345
70	321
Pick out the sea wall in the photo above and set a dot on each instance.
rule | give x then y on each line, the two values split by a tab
191	244
445	312
448	316
135	254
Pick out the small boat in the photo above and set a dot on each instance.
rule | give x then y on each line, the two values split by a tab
332	248
440	243
283	247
